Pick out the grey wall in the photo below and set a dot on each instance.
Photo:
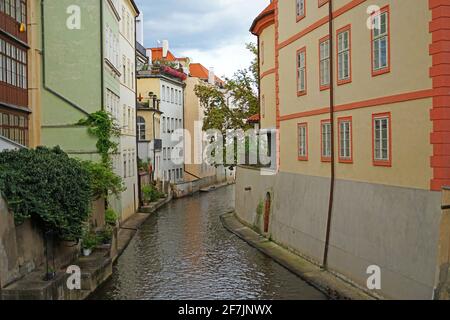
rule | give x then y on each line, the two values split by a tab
392	227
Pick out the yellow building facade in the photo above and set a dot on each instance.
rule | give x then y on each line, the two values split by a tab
361	105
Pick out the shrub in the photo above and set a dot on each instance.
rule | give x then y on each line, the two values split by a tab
103	180
106	235
151	194
90	240
111	217
47	185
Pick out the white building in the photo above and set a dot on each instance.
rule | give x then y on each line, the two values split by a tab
126	161
172	108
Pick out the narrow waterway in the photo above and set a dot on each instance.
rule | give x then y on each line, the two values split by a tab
183	252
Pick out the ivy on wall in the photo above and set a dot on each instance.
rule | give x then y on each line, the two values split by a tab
47	185
101	125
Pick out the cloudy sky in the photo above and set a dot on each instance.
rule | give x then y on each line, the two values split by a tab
212	32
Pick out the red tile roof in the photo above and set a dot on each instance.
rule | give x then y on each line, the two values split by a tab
264	19
254	118
197	70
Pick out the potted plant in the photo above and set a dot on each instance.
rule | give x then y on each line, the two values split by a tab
88	243
106	235
111	217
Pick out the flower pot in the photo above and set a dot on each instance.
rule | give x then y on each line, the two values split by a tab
87	252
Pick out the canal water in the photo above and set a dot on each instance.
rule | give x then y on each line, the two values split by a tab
184	252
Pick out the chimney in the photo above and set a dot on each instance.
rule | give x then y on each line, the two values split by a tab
165	47
148	53
211	77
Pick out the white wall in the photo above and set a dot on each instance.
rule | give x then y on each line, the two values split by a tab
173	114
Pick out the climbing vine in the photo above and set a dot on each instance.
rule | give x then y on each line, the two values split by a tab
47	185
101	125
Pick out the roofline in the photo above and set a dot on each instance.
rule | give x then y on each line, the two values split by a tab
135	7
259	18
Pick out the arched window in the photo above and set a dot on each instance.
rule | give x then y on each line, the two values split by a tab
141	128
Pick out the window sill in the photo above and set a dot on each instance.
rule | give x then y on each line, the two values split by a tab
379	163
301	93
343	82
376	73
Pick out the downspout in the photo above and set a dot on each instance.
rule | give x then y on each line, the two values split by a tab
333	158
102	59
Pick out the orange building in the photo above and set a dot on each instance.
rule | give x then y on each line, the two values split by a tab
360	98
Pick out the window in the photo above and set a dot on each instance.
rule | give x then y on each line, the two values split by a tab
263	106
301	72
16	9
164	124
141	128
124	165
163	93
300	9
344	55
345	140
164	154
13	65
324	53
302	141
382	139
14	126
326	140
171	96
380	42
262	53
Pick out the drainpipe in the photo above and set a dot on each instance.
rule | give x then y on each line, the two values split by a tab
333	157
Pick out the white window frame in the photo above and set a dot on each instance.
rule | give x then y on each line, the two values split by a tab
378	37
379	148
324	52
326	139
301	71
344	64
345	139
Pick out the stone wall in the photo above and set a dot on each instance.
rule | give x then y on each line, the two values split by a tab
394	228
22	247
443	262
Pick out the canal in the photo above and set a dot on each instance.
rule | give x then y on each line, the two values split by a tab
183	252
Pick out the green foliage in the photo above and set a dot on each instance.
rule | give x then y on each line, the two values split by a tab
90	240
151	194
101	125
103	180
47	185
111	217
106	235
260	208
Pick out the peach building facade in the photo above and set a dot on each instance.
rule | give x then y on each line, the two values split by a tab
363	123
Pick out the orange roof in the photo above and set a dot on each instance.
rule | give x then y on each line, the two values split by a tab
264	19
254	118
197	70
157	54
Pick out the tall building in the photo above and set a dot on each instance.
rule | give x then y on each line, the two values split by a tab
127	105
164	80
18	122
362	116
87	64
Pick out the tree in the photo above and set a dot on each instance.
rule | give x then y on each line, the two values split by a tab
242	91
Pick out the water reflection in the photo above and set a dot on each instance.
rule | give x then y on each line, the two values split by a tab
183	252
